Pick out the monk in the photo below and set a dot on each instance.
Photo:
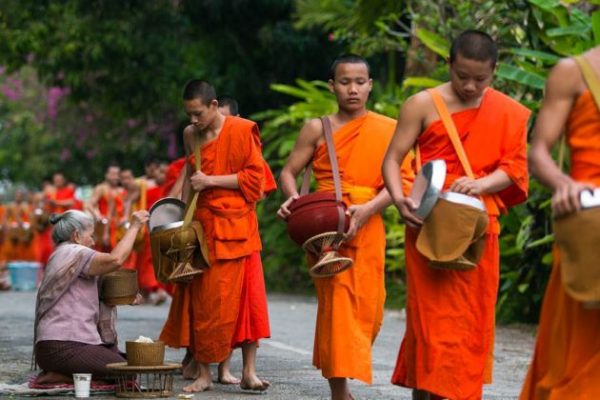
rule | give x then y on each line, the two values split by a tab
230	182
350	304
448	343
59	196
106	205
21	239
566	362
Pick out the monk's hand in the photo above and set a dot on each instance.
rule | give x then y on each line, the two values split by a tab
139	218
468	186
284	210
139	299
566	197
200	181
407	207
359	215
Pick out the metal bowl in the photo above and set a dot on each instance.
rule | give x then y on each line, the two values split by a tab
166	211
427	187
460	198
590	198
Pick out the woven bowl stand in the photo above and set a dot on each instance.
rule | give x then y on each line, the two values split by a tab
143	382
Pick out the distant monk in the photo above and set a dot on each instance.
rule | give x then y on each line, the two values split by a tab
566	362
20	243
350	304
448	344
58	198
106	205
230	182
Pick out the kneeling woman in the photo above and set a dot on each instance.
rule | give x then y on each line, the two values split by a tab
75	331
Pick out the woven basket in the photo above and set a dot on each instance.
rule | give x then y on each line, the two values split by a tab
145	354
119	287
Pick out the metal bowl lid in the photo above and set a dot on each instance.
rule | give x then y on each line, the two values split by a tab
460	198
167	226
166	211
427	187
590	198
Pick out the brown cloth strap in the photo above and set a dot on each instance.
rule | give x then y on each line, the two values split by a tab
442	110
191	205
335	171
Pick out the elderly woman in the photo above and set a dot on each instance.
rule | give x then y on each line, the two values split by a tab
74	331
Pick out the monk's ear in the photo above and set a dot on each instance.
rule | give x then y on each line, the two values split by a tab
214	103
370	84
330	83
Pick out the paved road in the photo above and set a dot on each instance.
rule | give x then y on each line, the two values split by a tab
285	359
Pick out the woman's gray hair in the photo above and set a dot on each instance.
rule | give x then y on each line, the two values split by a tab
67	223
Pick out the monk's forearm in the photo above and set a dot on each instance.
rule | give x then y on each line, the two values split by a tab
392	179
380	202
287	182
495	182
545	169
64	203
223	181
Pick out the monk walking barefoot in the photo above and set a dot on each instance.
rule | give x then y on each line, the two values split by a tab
447	351
229	177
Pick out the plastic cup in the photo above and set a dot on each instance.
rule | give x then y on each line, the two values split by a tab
82	385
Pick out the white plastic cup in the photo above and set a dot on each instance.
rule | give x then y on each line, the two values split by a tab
82	385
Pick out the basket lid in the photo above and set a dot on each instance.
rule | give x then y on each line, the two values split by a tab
427	187
166	211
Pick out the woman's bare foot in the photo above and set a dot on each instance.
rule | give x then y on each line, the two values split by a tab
191	370
254	383
203	382
53	377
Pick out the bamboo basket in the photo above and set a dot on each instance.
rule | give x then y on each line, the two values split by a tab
119	287
145	354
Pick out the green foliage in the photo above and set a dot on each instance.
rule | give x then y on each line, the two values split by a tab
125	63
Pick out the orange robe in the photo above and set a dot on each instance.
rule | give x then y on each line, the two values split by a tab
566	362
146	277
172	175
111	206
448	343
213	304
17	251
350	304
60	194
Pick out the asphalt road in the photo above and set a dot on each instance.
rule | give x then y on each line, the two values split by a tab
285	360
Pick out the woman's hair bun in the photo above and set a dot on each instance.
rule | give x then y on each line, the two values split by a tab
54	218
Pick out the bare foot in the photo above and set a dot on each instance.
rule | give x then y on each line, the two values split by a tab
191	370
187	358
202	384
254	383
52	377
226	378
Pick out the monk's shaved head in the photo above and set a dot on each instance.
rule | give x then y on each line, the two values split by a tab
197	89
228	101
474	45
347	59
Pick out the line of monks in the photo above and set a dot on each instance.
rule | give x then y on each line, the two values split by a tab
447	350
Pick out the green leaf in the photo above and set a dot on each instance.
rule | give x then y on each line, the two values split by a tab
540	242
546	5
596	26
434	42
535	54
420	81
512	73
576	29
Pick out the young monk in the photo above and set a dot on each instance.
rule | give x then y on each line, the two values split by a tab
448	343
566	362
230	182
350	309
106	205
59	197
20	243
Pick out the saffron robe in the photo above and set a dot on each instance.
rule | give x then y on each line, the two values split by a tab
215	304
448	344
17	213
350	304
566	362
45	241
111	206
172	175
